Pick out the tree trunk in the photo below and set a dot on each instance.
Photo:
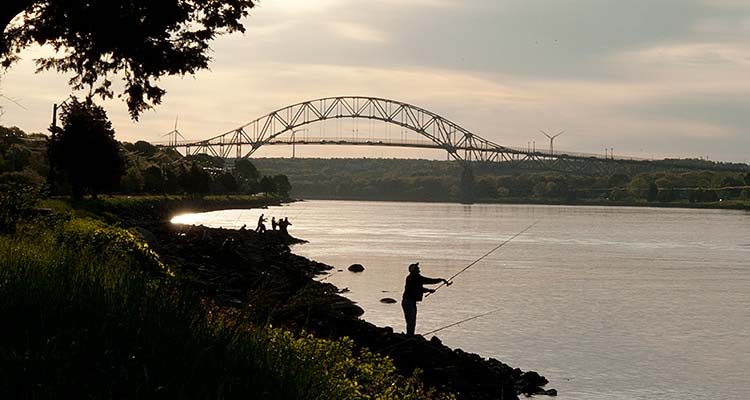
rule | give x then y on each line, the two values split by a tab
8	11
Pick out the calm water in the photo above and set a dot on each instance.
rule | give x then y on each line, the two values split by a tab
608	303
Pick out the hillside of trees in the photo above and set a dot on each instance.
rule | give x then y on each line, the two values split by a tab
424	180
25	161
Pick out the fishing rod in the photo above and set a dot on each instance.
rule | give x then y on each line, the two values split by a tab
482	257
460	322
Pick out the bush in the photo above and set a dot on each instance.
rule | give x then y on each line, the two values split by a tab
17	197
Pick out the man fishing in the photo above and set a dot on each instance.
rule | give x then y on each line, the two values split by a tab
413	291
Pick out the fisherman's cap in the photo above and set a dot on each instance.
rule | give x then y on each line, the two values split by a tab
413	267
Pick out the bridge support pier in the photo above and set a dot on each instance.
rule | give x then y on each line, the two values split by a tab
467	185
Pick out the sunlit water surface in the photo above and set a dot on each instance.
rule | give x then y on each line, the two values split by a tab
608	303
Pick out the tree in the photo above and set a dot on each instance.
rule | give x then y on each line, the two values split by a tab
153	180
195	181
132	181
282	185
267	185
145	148
246	170
247	176
142	39
84	150
171	182
225	183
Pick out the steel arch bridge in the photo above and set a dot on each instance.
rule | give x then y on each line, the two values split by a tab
439	132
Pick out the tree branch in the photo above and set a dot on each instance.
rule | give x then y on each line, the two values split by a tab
8	11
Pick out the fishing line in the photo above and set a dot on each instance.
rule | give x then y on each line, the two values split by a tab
432	332
460	322
482	257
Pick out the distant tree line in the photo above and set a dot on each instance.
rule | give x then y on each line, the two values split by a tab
81	157
424	180
153	170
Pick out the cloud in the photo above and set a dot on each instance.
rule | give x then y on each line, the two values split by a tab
358	32
624	74
713	54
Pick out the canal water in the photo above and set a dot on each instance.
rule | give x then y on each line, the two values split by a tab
606	302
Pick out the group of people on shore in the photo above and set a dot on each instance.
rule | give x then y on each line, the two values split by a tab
282	224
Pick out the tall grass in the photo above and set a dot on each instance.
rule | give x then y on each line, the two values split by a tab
87	310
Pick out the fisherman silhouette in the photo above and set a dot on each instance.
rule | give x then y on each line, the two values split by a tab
273	223
413	291
284	224
261	226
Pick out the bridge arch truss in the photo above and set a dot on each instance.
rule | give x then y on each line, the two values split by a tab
461	144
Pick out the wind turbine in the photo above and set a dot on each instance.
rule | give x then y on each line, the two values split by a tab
174	133
551	140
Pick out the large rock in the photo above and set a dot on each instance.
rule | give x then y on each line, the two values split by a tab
356	268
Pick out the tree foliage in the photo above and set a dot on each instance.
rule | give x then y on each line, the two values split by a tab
84	150
141	39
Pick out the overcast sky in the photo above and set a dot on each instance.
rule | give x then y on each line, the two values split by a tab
647	78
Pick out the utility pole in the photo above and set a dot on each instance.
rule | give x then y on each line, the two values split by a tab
551	140
55	107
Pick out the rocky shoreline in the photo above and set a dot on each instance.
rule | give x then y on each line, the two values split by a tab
241	270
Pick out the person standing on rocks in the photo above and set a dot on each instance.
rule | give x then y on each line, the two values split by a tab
284	225
273	223
261	226
413	291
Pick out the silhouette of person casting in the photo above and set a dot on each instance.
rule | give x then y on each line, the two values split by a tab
284	224
413	291
261	226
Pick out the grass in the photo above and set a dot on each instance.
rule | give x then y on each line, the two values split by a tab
88	310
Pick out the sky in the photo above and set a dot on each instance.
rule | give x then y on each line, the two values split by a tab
657	78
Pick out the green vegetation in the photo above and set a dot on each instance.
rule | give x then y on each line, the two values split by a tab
91	310
87	140
423	180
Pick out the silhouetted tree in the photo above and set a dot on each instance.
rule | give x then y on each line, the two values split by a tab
142	40
225	183
267	185
183	179
196	181
84	150
281	185
145	148
153	180
171	182
12	132
247	175
132	181
246	170
17	157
